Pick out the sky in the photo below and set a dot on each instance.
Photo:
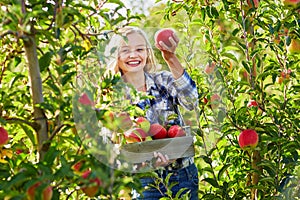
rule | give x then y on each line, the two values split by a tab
140	4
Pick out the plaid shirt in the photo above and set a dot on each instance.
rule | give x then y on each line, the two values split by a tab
168	93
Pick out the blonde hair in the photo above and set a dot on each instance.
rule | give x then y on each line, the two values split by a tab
111	50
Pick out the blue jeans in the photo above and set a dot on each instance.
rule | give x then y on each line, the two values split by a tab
184	178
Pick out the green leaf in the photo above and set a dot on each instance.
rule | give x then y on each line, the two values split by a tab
45	60
211	181
222	170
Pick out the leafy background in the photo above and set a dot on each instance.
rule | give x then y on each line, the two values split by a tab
247	44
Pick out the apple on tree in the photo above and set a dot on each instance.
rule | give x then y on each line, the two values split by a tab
248	139
284	76
33	193
143	123
215	101
294	47
252	3
92	187
85	100
135	135
164	35
3	136
292	3
210	67
157	131
176	131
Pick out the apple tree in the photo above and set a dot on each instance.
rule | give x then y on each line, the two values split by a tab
241	52
44	45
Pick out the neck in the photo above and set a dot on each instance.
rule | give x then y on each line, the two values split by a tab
137	79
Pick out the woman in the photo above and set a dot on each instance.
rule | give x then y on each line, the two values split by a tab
136	63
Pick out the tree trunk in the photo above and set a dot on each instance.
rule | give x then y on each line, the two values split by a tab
255	176
37	94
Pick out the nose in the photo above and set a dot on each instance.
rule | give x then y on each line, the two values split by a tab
132	53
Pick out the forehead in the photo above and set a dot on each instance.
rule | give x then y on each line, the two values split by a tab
134	39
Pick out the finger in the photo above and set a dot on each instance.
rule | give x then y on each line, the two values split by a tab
163	158
173	42
175	38
163	45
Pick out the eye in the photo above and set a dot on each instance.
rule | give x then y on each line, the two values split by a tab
141	50
123	50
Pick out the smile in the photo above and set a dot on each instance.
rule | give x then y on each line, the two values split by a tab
133	63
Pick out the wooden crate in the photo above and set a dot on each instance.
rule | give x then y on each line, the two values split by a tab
178	147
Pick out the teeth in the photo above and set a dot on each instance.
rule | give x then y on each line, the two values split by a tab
133	62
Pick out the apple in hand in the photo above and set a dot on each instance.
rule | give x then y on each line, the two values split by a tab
164	35
248	139
143	123
32	192
176	131
157	131
91	188
3	136
294	47
135	135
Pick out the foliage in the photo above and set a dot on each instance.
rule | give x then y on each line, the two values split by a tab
249	48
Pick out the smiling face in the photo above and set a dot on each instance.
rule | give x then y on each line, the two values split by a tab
133	53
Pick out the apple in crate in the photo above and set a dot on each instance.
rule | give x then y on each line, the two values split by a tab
135	135
176	131
157	131
143	123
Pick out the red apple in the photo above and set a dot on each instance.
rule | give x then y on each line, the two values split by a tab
243	74
123	121
176	131
215	101
77	167
284	75
255	2
293	3
85	100
135	135
248	138
157	131
210	67
143	123
108	120
46	194
164	35
3	136
252	103
294	47
205	100
92	188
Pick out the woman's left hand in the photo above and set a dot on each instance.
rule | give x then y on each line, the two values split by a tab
161	160
168	50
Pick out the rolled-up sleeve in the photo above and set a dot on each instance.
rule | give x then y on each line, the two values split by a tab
187	93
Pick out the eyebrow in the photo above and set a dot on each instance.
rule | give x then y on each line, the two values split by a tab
139	45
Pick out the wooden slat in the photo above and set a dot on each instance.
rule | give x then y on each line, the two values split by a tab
173	147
